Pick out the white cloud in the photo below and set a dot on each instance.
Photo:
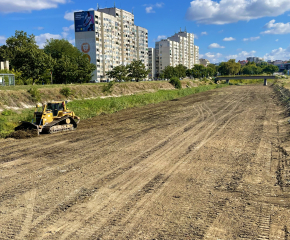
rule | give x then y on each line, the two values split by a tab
159	5
204	33
229	39
230	11
149	8
241	56
195	36
41	39
280	53
159	38
277	40
212	57
251	39
66	30
221	31
39	28
70	15
2	40
277	28
72	41
215	45
8	6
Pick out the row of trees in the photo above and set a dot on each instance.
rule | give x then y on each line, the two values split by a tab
35	65
251	68
230	67
135	70
180	71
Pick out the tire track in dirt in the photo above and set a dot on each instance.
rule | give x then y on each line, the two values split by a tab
155	157
115	203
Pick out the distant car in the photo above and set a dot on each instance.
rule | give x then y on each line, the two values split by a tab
94	81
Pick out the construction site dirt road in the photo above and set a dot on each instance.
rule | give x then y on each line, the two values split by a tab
213	165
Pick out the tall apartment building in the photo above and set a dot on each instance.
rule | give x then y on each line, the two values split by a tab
196	55
109	37
177	49
151	62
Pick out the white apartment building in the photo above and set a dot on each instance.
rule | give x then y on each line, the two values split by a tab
175	50
108	37
151	62
196	55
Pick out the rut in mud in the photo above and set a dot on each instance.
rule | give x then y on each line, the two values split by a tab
207	166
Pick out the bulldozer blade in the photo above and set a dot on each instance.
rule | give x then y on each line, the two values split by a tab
26	126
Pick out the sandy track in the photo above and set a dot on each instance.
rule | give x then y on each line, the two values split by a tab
208	166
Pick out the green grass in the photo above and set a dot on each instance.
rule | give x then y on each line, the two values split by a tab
93	107
90	108
10	119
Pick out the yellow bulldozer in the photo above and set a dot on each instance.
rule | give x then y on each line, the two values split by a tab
51	117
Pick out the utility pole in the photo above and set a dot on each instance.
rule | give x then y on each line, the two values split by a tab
51	77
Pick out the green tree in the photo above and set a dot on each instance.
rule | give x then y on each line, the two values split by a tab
199	71
137	70
32	63
84	69
169	72
212	70
59	47
180	71
65	70
68	64
3	53
119	73
270	69
233	67
223	69
16	43
285	71
247	70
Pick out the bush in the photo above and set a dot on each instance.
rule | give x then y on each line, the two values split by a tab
7	112
35	94
175	82
66	91
107	87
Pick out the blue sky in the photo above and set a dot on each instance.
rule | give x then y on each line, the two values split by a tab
224	29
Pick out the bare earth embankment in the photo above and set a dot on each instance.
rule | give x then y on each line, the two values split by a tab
209	166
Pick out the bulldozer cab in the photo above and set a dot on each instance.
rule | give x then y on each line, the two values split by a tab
55	107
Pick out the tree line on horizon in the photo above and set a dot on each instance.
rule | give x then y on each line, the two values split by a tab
32	65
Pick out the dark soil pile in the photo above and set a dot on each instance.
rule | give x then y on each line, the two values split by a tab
22	134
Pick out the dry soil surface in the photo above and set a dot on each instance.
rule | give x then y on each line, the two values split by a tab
207	166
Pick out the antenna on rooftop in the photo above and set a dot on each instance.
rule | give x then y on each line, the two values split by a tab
132	10
180	29
114	4
98	6
185	29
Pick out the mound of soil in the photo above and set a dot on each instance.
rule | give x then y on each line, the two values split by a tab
22	134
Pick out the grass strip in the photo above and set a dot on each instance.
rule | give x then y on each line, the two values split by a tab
92	107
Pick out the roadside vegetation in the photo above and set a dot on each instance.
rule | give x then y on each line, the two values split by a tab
9	119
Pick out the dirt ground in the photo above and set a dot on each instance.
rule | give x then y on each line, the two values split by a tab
213	165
